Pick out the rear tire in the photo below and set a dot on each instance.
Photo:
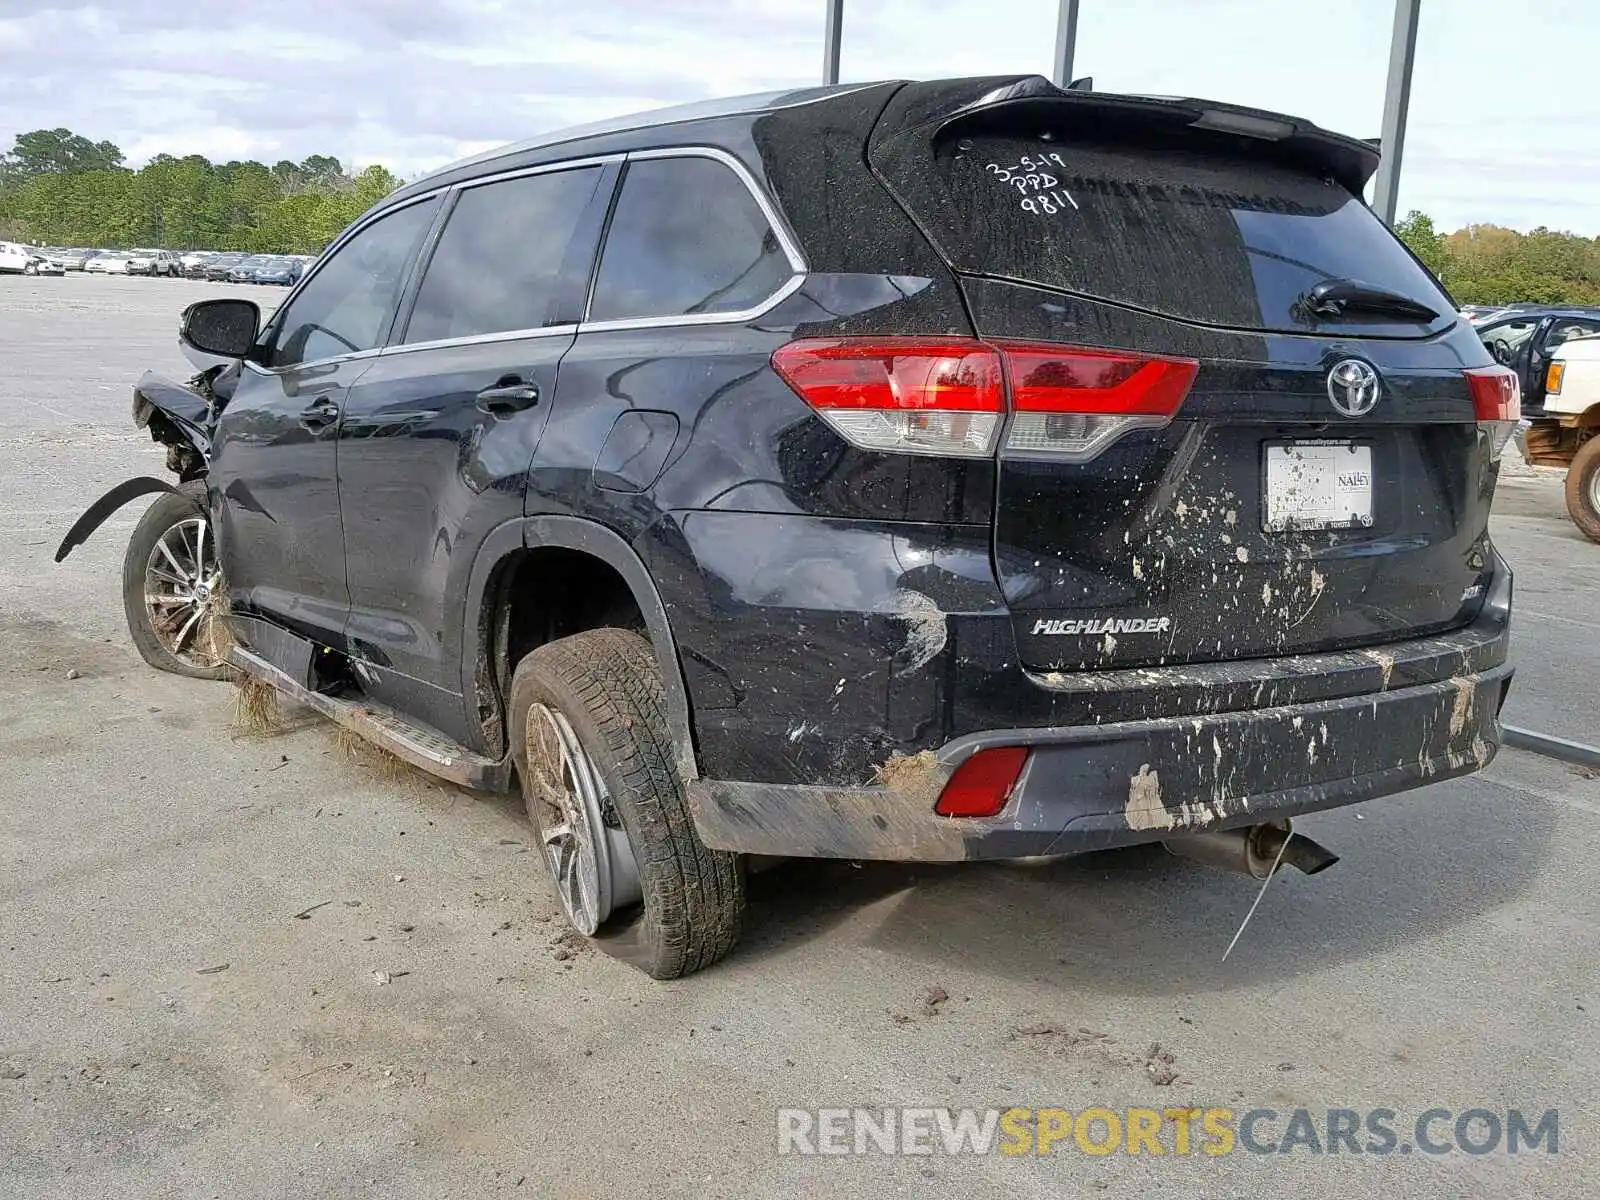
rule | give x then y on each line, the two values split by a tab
169	578
1583	488
602	691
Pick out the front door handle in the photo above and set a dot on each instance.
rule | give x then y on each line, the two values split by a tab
507	396
323	413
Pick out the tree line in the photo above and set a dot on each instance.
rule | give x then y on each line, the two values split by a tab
59	188
1488	264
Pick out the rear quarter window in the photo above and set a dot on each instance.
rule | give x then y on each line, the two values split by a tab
687	239
1186	234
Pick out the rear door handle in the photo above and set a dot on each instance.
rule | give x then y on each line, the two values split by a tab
322	413
507	396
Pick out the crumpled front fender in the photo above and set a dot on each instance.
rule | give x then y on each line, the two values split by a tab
102	508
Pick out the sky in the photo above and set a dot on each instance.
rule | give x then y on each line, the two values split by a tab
1502	127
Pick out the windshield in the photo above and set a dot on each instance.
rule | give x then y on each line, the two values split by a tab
1505	338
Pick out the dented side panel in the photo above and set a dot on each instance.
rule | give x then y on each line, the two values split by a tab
815	648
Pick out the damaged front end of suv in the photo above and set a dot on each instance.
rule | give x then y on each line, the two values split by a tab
172	591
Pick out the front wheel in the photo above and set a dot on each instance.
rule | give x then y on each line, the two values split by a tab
30	268
601	784
1583	488
172	590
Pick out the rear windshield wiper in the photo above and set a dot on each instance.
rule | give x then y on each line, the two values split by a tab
1336	297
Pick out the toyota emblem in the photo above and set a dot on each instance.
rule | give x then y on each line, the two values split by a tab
1353	387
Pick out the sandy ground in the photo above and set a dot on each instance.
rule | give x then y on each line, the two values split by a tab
251	966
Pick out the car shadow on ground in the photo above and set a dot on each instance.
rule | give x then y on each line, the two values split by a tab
1141	921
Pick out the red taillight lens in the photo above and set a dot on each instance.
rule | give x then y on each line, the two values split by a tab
983	784
948	395
913	395
1497	402
1055	380
1073	403
1496	393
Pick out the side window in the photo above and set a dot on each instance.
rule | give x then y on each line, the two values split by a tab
687	237
499	258
1562	331
348	304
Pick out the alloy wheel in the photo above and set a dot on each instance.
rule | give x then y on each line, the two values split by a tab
584	843
182	578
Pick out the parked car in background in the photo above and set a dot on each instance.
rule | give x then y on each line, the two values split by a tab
280	270
17	259
1474	313
74	259
112	262
192	264
94	261
1525	338
217	267
47	263
244	271
152	262
1565	431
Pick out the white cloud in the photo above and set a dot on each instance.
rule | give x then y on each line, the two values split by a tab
1499	126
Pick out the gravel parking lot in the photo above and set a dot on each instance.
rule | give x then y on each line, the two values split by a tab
249	965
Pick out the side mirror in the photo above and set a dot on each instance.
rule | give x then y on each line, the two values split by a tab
226	328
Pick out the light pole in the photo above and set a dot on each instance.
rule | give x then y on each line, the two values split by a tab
1396	103
1066	43
832	34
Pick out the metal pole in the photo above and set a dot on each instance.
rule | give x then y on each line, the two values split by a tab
1396	104
832	35
1066	42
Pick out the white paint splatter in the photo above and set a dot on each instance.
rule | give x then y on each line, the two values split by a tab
1461	710
1144	809
926	631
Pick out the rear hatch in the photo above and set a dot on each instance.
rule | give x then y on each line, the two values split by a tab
1322	481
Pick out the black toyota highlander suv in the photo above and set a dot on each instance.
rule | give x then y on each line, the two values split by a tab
922	471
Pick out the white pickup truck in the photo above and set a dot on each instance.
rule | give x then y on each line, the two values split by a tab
1567	433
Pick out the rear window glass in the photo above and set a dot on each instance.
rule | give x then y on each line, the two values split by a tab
1195	236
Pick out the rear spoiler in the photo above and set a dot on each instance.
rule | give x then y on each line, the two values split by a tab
973	106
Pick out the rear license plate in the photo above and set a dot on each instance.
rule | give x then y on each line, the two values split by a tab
1317	485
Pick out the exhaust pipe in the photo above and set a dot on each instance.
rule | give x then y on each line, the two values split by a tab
1253	849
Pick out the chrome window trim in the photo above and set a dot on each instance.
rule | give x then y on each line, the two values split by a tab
794	284
566	164
779	227
279	372
473	339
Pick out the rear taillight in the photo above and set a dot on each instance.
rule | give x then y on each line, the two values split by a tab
1072	404
1497	402
912	395
948	396
983	784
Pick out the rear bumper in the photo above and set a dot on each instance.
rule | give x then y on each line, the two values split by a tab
1093	787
